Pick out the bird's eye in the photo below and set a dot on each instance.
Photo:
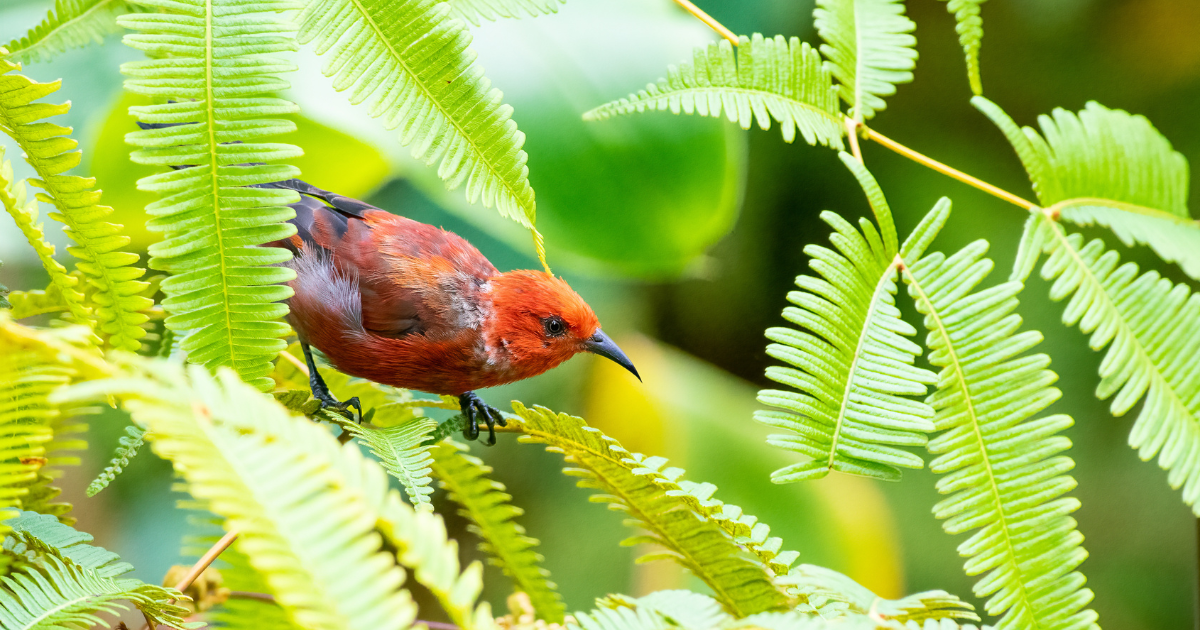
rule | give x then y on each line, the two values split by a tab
555	326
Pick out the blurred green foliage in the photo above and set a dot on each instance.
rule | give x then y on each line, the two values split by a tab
656	198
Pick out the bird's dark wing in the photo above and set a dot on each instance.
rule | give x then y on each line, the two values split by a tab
398	262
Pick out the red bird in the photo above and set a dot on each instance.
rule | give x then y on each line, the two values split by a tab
406	304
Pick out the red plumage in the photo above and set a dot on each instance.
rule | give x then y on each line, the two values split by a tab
406	304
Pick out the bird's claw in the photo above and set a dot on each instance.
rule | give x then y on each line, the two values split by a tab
342	408
474	408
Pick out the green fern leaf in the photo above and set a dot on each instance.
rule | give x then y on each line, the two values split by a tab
640	487
870	49
852	363
1005	470
238	613
70	24
41	302
484	502
414	64
967	15
745	529
474	11
225	287
36	435
1148	324
403	452
62	594
680	608
118	306
1109	167
775	78
128	449
35	533
814	581
25	213
310	511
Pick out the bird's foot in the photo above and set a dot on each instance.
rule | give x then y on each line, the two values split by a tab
341	408
474	408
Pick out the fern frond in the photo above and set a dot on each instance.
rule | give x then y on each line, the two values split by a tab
1005	470
774	78
412	61
403	452
302	504
70	24
63	594
225	287
870	49
814	581
667	613
310	511
640	487
852	363
622	618
1148	324
423	546
118	306
680	608
1109	167
969	25
474	11
25	213
129	445
484	502
34	534
745	529
40	302
35	435
242	613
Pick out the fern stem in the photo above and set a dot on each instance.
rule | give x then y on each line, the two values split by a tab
708	19
208	558
871	134
852	136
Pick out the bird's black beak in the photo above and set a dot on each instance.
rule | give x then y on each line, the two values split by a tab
600	344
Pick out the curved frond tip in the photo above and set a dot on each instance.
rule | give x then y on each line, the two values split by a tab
411	62
770	79
969	25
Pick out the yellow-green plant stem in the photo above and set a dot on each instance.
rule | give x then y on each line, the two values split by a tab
869	134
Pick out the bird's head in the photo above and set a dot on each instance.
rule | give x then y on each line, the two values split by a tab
539	321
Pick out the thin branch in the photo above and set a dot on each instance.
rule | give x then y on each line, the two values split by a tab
290	358
208	558
852	134
708	19
871	134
